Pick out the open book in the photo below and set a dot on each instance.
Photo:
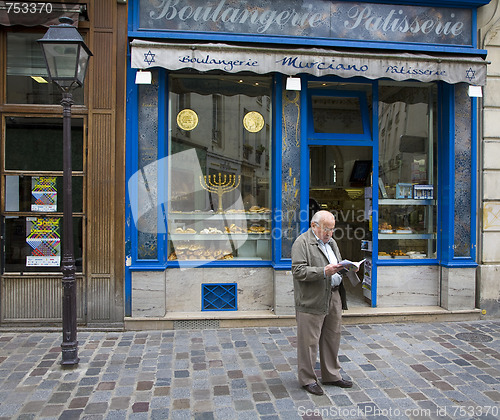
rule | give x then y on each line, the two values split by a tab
350	265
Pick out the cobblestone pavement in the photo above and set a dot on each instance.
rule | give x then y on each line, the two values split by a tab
433	370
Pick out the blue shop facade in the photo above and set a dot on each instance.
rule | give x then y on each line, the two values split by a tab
244	118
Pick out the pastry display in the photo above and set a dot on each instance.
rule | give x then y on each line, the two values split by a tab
256	229
398	253
258	209
210	231
235	211
234	229
188	230
185	251
213	234
403	230
385	227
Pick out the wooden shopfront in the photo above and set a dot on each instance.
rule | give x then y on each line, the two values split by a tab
31	167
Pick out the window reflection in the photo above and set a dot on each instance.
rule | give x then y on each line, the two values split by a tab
219	168
337	115
33	244
407	170
27	81
24	193
36	144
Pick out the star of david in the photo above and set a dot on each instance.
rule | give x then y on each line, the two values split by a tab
149	57
470	74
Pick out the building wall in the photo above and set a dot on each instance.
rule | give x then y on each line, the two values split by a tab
36	299
488	284
106	162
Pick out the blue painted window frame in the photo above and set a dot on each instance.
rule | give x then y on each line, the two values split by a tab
446	187
369	139
445	172
161	262
439	112
132	154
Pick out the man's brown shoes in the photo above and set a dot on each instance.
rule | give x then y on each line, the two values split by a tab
314	388
342	383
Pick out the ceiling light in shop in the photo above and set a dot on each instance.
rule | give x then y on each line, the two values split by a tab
39	79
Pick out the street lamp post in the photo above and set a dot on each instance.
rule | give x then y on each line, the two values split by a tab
66	57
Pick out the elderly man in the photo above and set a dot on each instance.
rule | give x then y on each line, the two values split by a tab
319	299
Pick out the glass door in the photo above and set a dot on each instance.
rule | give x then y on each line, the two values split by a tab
340	182
340	170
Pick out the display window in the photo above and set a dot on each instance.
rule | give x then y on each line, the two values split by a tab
32	184
407	214
219	168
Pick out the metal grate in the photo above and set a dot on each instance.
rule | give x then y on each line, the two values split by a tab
196	324
218	297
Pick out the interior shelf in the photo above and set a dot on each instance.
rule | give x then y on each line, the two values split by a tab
405	202
406	236
219	216
218	237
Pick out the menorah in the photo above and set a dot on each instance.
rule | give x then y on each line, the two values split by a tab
220	185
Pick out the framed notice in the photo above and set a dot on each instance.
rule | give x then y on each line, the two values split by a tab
44	191
44	238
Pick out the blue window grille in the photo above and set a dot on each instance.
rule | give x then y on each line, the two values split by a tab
218	297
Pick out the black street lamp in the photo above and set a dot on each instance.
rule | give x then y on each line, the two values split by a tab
66	57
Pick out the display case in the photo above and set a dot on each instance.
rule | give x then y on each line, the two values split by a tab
234	234
407	228
407	204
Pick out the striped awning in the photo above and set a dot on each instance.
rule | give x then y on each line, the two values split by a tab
39	13
397	66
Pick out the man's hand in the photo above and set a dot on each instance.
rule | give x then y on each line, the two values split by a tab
331	269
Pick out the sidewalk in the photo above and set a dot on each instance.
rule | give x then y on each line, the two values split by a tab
430	370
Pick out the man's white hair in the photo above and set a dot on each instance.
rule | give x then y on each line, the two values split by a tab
319	216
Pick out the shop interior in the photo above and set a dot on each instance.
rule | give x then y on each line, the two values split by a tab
338	178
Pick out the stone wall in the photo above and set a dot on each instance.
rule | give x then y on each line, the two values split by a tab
488	284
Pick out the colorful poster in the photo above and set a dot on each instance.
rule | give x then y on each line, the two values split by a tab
44	190
43	236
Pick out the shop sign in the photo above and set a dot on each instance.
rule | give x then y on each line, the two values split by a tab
312	18
318	62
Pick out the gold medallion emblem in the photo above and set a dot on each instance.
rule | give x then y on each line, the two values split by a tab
187	119
253	121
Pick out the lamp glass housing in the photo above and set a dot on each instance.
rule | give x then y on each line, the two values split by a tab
66	54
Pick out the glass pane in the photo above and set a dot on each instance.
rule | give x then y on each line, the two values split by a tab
36	144
337	114
27	73
407	170
338	178
33	244
40	193
219	168
364	89
407	231
62	59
